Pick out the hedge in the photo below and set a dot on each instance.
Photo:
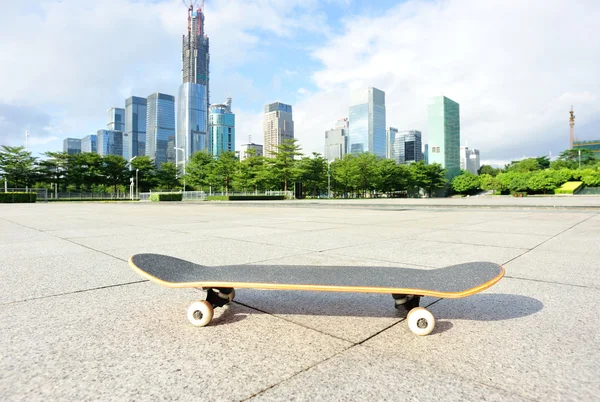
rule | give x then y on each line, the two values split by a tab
166	197
245	197
569	187
9	198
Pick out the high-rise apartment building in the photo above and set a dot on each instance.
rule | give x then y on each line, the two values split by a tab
194	94
426	154
336	141
278	126
89	143
367	122
135	126
116	119
160	126
406	147
444	134
72	146
244	154
222	128
110	142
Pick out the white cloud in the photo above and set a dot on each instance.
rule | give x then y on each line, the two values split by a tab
514	67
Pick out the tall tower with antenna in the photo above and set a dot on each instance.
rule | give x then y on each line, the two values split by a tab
572	126
194	95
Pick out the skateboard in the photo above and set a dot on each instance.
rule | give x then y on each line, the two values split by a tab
406	285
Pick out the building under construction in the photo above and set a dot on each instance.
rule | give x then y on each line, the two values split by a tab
194	95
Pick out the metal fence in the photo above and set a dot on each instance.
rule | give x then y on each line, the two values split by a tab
202	195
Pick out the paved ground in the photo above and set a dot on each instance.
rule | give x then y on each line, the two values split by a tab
76	323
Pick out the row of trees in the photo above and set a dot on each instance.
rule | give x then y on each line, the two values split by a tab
355	175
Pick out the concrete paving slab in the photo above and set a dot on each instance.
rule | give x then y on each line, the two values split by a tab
428	253
523	241
31	278
350	316
211	252
315	241
240	232
557	266
22	235
32	249
134	343
145	237
523	226
367	374
535	339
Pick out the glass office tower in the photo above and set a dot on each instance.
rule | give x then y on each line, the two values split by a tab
116	119
89	143
406	147
222	128
444	134
160	126
72	146
367	122
135	125
110	142
194	94
278	126
336	141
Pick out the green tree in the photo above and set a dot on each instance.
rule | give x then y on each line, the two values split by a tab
465	183
115	171
312	172
514	181
53	169
572	155
146	172
199	168
429	177
487	169
489	182
388	171
17	166
283	162
341	174
544	181
84	171
589	177
543	162
525	165
166	176
225	169
365	173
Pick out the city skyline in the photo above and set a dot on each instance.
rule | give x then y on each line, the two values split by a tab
507	110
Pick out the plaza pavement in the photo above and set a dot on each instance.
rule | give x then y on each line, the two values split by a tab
76	323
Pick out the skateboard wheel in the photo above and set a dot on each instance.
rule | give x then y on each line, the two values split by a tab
200	313
420	321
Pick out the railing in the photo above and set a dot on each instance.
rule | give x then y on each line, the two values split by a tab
202	195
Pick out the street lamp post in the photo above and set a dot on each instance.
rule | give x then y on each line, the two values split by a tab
184	158
137	187
130	169
579	150
328	179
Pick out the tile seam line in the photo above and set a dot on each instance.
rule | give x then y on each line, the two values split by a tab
518	278
553	237
75	292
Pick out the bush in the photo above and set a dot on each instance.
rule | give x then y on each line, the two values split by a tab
166	197
569	187
245	197
9	198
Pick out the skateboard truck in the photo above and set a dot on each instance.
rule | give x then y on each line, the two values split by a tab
408	302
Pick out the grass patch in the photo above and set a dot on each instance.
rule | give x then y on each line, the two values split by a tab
570	187
166	197
245	197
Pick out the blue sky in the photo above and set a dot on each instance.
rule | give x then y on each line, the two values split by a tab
513	72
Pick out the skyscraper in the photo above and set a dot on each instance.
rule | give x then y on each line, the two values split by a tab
116	119
110	142
278	126
469	159
406	147
222	128
135	125
72	146
390	137
367	122
160	126
336	141
444	134
194	95
244	154
89	143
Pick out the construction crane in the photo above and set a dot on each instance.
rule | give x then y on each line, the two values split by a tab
191	4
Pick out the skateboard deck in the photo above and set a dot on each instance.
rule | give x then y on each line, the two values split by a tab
449	282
